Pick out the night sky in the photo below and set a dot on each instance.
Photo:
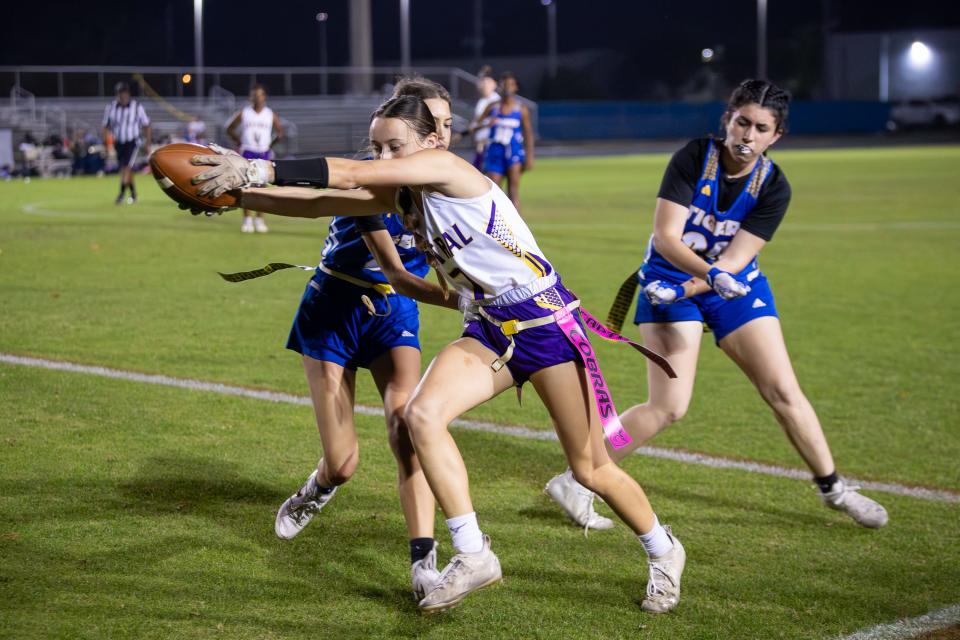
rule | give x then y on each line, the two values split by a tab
661	38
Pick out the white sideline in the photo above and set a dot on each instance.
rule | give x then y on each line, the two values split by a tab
935	495
910	627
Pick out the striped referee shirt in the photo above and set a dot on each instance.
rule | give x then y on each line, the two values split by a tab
125	121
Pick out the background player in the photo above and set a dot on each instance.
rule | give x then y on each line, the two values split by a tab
510	148
255	129
719	203
487	87
480	245
127	123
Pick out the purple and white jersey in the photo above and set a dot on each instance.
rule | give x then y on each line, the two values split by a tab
256	133
484	248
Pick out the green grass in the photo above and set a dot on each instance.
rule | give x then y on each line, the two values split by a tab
129	510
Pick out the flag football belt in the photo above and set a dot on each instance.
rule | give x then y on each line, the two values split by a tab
381	288
567	322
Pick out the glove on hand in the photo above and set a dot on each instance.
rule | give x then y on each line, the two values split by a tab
659	292
726	284
229	171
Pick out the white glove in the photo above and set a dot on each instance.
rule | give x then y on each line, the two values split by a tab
229	171
659	292
726	284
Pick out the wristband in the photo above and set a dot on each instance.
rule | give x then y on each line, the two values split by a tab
312	172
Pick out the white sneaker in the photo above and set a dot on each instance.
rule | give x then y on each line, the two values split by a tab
247	226
577	501
863	510
260	225
663	586
424	574
466	573
299	509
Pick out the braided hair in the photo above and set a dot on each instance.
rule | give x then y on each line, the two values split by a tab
763	93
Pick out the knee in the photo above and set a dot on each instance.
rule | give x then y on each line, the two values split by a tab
398	435
782	397
419	420
339	471
671	412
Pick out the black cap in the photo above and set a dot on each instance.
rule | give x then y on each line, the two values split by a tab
121	86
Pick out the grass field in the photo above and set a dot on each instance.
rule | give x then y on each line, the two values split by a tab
137	511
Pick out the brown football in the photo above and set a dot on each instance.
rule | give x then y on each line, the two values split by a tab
172	169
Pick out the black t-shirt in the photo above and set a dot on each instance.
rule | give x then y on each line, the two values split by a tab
682	174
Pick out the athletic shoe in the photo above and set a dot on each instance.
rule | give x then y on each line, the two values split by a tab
864	511
119	199
260	225
424	574
131	200
663	586
299	509
577	501
247	226
466	573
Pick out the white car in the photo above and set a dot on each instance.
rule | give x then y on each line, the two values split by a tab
942	112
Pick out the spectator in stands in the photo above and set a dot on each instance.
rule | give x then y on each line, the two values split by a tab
127	122
196	129
255	129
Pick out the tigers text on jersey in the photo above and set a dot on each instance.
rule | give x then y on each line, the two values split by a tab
708	230
506	128
345	251
256	129
483	246
125	120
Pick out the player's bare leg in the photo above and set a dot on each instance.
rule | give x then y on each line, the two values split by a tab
332	392
514	172
759	350
396	374
458	379
566	392
668	400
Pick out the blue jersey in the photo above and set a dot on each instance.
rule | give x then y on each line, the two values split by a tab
708	231
506	128
346	252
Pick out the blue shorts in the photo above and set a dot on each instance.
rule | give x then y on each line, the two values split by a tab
536	348
500	157
721	316
333	325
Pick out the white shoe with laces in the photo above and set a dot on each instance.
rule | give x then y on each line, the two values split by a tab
299	509
864	511
260	225
577	501
424	574
247	226
663	585
466	573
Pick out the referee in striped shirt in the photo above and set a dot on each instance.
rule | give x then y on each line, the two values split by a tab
125	118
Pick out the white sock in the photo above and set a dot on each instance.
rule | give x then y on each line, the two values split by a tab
656	542
466	534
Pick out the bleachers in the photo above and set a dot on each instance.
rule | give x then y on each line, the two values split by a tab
315	124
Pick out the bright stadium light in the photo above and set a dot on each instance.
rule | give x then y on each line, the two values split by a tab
920	55
707	54
186	78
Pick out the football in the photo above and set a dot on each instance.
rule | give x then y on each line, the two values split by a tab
173	171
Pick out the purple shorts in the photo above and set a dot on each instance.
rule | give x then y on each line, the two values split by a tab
536	348
257	155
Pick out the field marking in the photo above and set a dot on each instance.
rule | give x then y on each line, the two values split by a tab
910	627
35	209
922	493
892	225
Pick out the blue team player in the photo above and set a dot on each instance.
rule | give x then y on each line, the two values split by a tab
351	317
510	150
719	203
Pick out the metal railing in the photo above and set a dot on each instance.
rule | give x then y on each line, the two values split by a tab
80	81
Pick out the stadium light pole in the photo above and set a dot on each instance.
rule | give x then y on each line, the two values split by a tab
405	35
198	44
322	18
761	39
551	6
